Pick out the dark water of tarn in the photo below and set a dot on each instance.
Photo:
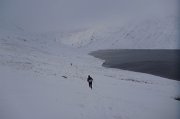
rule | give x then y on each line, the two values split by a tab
164	63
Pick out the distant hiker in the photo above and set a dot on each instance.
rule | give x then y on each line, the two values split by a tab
90	80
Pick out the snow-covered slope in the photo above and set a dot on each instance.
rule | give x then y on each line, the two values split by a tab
154	33
42	78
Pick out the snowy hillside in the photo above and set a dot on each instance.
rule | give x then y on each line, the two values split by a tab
154	33
45	79
43	75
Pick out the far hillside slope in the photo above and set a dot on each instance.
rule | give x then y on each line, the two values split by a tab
154	33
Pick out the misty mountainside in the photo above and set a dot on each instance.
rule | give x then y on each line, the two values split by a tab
154	33
154	28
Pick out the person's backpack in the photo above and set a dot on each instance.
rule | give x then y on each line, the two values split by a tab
90	79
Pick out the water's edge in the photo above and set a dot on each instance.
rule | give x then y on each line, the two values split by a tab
163	62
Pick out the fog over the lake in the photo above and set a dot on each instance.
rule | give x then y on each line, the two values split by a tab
52	15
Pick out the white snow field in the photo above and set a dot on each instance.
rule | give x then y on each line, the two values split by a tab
43	76
37	81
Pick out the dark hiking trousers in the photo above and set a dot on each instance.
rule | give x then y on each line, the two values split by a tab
90	85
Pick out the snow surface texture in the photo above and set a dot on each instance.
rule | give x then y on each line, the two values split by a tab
43	76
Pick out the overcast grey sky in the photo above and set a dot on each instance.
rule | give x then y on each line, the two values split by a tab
48	15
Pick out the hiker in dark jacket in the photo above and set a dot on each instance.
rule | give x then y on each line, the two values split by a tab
90	80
